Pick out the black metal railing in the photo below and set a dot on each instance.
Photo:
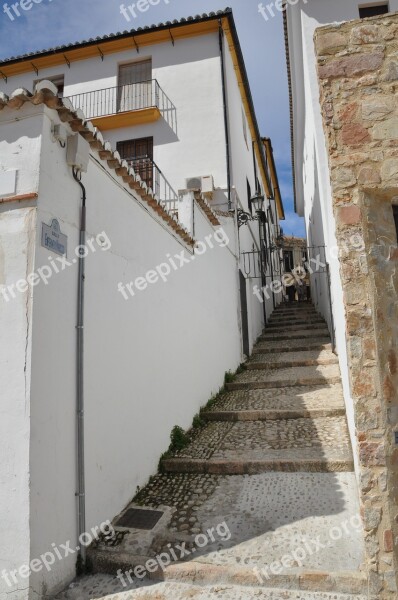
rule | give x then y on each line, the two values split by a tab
149	172
122	98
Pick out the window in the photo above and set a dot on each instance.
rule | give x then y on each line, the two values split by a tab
249	197
395	213
373	10
288	260
58	81
135	85
139	154
244	127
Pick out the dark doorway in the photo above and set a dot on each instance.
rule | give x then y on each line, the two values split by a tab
245	319
395	213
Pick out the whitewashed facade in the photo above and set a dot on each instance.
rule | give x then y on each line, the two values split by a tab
152	359
311	169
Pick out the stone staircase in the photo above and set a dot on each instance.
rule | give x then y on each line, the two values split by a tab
272	466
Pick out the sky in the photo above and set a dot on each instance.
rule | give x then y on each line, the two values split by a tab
52	23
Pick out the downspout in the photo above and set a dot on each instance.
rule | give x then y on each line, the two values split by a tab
226	124
81	488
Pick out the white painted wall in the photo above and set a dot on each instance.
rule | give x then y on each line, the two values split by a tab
314	198
17	235
150	362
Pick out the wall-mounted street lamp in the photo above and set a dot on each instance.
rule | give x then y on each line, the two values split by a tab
244	217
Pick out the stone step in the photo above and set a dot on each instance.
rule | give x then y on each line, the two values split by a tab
98	588
281	378
224	448
270	347
255	467
296	321
285	360
302	586
295	334
283	403
297	324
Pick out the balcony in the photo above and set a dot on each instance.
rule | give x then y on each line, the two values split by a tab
149	172
125	105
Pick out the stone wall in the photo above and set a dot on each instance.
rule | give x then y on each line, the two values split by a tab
358	79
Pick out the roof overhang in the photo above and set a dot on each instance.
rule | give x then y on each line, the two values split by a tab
111	44
274	177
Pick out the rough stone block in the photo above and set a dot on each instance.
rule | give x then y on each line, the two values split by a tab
349	215
389	169
388	541
386	130
372	454
369	175
343	178
354	134
330	42
377	107
349	66
391	73
365	34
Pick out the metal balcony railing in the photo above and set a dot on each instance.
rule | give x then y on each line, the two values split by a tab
123	98
148	170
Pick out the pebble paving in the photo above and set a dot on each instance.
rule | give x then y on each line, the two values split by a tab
324	356
326	437
270	346
305	398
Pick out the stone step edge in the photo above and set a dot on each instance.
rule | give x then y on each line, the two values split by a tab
287	349
273	415
255	467
193	572
286	364
311	333
304	327
291	322
294	311
266	385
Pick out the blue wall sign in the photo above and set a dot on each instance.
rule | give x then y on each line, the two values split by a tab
53	239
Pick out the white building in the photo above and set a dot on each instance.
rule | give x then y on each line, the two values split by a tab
313	198
177	106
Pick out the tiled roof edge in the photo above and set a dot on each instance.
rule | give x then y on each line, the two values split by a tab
119	35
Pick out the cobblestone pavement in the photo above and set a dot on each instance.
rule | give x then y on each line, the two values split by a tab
305	399
252	440
321	357
250	522
270	346
294	375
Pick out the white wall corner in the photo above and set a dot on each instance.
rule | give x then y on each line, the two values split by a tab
8	183
186	202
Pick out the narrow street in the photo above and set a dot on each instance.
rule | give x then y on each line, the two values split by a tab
271	477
